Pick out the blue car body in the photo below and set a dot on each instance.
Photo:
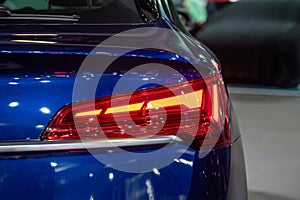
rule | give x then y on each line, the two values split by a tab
32	95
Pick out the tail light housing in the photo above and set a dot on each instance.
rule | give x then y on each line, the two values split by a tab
195	111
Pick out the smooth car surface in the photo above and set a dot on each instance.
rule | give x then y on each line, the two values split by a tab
112	100
257	41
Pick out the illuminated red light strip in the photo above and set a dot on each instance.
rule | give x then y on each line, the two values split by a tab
190	100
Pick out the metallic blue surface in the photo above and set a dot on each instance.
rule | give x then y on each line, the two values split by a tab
26	108
84	177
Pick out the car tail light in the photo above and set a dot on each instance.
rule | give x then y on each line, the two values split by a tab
194	111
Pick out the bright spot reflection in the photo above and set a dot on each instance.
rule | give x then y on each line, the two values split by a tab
186	162
53	164
155	171
13	83
40	127
45	110
150	191
13	104
111	176
45	81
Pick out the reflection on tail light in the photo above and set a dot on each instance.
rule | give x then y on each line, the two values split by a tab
195	109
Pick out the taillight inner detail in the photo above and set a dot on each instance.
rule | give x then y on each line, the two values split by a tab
196	110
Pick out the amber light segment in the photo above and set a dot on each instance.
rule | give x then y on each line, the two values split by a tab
88	113
191	100
216	102
128	108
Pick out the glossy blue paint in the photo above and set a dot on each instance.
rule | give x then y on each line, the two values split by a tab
84	177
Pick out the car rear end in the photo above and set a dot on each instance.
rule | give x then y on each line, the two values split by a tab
96	111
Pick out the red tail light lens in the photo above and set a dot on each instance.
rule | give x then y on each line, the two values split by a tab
195	109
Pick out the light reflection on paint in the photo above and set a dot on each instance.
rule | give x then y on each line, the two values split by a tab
186	162
13	104
45	81
110	176
45	110
40	127
13	83
150	191
53	164
155	171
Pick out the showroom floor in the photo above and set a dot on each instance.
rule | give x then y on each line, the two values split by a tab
270	128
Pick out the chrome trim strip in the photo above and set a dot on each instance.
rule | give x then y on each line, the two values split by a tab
14	147
53	18
233	90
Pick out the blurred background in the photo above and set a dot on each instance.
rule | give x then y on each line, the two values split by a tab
258	45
